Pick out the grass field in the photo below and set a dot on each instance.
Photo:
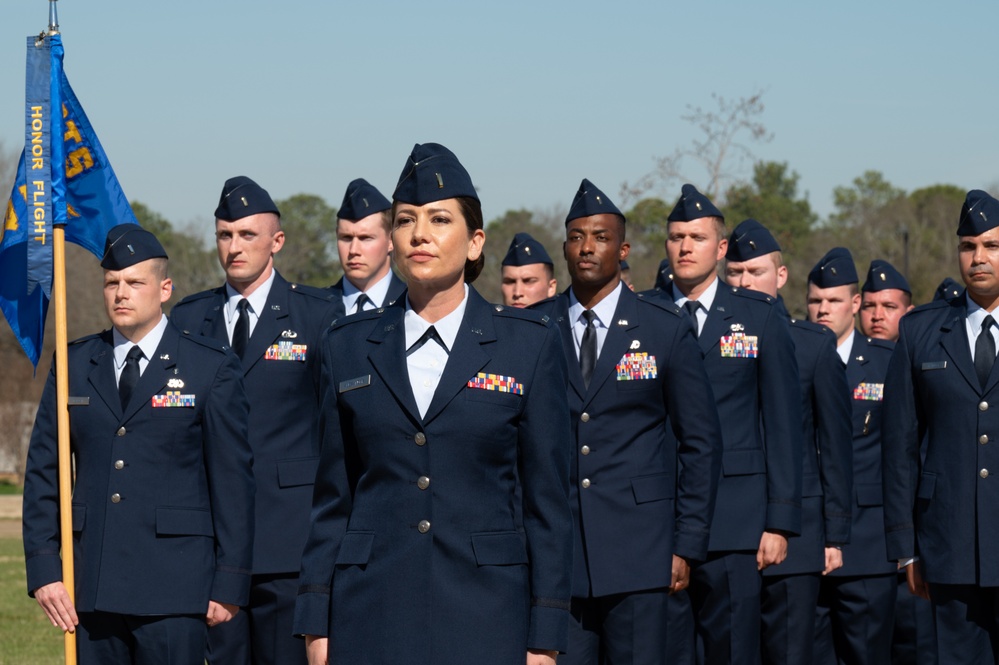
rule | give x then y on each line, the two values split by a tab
26	637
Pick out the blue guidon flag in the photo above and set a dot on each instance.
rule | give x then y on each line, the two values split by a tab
59	181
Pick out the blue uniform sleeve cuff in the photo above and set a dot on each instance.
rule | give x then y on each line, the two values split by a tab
312	614
784	517
42	569
549	629
231	587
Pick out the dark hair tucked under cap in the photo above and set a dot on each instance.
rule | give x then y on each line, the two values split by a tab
241	197
128	244
749	240
433	173
590	201
524	251
693	205
360	200
979	213
834	269
882	276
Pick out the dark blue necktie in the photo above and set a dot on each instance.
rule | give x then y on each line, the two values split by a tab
588	347
129	375
985	351
241	332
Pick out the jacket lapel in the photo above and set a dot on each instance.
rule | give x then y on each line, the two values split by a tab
102	377
561	311
718	321
396	289
856	362
337	299
158	370
616	343
388	357
954	340
467	357
270	324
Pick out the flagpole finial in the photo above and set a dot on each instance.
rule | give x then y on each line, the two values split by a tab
53	18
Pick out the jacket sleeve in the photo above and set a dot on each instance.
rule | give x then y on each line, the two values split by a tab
544	442
780	409
229	465
835	442
693	416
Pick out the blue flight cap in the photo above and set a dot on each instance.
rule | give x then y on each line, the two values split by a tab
693	205
241	197
361	200
591	201
979	214
882	276
432	173
948	290
664	278
834	269
624	265
749	240
128	244
524	251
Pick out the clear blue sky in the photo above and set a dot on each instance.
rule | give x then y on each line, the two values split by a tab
532	96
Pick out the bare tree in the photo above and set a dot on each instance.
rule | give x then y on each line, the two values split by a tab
716	159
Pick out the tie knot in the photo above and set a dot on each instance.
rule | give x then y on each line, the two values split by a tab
691	306
134	354
590	316
243	306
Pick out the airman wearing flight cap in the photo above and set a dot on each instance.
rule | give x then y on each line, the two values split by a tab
163	494
790	591
748	354
275	328
885	298
528	273
642	502
942	392
857	601
364	243
948	289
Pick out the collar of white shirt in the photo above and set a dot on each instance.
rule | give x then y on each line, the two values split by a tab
447	327
378	292
148	344
257	300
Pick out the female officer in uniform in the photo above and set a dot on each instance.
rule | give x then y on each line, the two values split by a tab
441	529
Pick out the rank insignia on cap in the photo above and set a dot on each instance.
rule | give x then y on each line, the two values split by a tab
175	383
286	351
872	392
636	366
497	382
635	344
739	345
527	250
173	398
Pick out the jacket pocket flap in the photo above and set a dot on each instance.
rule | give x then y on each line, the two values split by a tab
295	472
652	488
743	462
184	522
79	517
503	548
927	483
355	548
869	494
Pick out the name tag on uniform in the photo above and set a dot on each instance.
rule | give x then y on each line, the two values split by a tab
172	398
354	384
940	364
636	366
498	382
739	345
286	351
872	392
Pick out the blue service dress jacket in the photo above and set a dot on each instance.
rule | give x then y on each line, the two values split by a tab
944	510
163	501
637	497
395	290
749	358
281	375
827	471
865	374
420	551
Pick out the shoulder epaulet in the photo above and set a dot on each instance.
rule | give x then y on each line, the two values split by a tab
87	338
366	315
208	342
535	316
881	343
802	324
200	295
312	291
749	293
661	302
931	306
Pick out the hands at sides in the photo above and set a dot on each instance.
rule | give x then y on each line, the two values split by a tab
834	559
219	613
536	657
773	550
317	649
680	578
914	575
54	599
